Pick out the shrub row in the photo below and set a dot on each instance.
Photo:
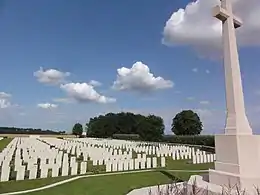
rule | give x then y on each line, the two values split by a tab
204	140
134	137
201	140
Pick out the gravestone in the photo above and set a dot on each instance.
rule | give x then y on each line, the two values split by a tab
163	163
20	173
55	170
148	163
44	172
154	162
33	172
65	169
126	168
74	169
83	167
114	166
131	164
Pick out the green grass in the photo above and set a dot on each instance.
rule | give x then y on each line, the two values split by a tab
117	184
186	165
4	142
12	186
106	185
114	184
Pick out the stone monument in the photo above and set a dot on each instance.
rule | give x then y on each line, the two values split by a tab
238	150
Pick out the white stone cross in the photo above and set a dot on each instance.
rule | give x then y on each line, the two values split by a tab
236	121
225	11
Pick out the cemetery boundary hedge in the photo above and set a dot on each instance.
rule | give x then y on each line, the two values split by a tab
202	140
134	137
199	140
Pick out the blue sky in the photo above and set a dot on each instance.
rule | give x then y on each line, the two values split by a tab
51	50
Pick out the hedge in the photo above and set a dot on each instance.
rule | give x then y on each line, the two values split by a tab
135	137
204	140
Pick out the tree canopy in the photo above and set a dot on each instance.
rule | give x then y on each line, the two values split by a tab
77	129
149	128
186	122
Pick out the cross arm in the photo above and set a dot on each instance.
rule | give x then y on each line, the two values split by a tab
222	14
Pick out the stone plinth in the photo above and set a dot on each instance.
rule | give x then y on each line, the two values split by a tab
237	161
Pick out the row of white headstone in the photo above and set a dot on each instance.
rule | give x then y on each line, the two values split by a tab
36	157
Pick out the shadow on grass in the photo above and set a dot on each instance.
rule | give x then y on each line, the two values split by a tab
170	176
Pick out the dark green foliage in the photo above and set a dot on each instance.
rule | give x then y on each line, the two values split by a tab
186	122
77	129
149	128
205	140
16	130
135	137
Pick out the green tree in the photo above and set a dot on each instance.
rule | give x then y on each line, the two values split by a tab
157	122
148	128
77	129
148	131
186	122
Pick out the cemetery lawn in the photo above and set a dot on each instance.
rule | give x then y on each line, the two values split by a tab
4	142
186	165
110	184
12	186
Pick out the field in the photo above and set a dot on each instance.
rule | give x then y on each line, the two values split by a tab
151	165
114	184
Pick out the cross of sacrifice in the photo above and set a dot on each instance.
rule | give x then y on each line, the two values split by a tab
236	122
225	11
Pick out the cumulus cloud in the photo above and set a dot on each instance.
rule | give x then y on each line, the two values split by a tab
4	103
5	100
139	78
95	83
5	95
47	105
84	92
50	76
195	25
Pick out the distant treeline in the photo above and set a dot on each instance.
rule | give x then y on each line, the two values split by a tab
16	130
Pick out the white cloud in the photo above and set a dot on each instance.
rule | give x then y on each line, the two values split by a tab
83	92
139	78
47	105
95	83
207	71
5	95
195	70
204	113
5	100
4	103
50	76
205	102
62	100
196	26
